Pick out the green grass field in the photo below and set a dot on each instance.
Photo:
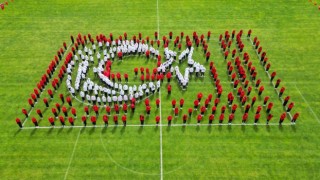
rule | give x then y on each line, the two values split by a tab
31	32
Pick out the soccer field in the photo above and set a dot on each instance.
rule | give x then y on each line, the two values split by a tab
31	33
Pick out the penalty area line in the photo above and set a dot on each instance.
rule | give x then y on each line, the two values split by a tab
314	114
72	155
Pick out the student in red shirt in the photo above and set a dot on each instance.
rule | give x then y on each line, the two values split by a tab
181	103
157	120
270	105
259	108
132	107
244	118
277	83
208	56
148	110
176	112
115	119
84	120
190	112
196	104
290	106
45	101
285	101
247	108
157	102
169	120
71	121
95	109
39	113
51	120
124	120
34	121
141	120
256	118
69	101
199	118
169	89
202	110
211	118
213	109
223	109
105	120
31	102
221	118
269	117
61	98
273	75
184	118
234	108
74	112
231	117
18	121
199	96
253	100
25	112
93	120
265	100
282	91
295	117
282	117
261	89
173	102
54	112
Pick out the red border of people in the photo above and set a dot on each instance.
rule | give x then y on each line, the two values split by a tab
112	93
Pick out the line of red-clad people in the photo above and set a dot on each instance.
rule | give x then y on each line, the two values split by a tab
262	55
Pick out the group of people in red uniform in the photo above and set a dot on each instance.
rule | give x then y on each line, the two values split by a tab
263	61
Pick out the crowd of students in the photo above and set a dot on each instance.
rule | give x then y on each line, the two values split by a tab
117	96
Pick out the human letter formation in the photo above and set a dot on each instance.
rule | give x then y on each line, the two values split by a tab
117	97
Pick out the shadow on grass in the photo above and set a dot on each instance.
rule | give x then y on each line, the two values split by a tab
92	130
156	128
183	129
123	129
114	129
243	128
140	129
229	128
33	132
104	130
50	131
17	132
168	128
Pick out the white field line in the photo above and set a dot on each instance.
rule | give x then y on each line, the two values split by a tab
153	125
314	114
71	158
161	161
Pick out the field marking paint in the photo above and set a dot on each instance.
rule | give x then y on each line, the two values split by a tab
71	158
161	159
128	169
314	114
152	125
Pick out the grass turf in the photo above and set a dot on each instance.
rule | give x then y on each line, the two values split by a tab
32	32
